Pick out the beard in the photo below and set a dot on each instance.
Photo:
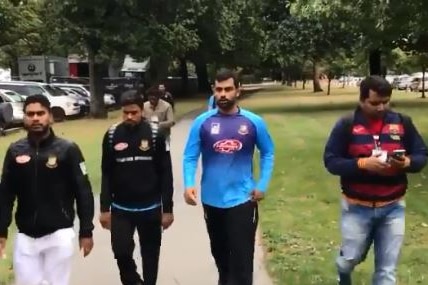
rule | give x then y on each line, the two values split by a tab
130	125
226	104
37	130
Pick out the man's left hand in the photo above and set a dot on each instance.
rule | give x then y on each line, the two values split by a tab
400	163
257	195
167	220
86	244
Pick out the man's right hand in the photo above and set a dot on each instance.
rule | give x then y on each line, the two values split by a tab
374	164
190	196
2	247
105	220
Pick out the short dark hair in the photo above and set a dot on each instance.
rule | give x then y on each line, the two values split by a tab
38	98
131	97
154	91
377	84
225	74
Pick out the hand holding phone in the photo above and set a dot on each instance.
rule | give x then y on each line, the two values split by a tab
398	159
399	154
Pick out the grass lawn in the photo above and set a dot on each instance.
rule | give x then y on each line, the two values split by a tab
299	218
88	134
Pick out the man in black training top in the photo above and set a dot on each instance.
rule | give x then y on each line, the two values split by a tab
136	190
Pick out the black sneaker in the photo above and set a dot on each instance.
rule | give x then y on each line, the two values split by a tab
344	279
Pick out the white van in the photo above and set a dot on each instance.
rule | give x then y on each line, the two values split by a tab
62	105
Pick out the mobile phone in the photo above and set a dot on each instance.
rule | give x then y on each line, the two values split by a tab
398	153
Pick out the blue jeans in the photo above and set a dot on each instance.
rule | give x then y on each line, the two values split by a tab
360	227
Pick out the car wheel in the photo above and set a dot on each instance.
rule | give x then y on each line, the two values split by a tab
58	114
6	113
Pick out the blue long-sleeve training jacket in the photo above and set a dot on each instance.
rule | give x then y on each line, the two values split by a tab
226	144
211	103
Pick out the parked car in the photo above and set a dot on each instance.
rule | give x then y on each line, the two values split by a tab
6	115
415	84
17	103
83	100
61	104
425	87
109	99
404	83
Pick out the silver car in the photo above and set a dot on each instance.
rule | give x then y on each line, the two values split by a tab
17	103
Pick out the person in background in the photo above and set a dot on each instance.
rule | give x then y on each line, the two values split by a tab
158	111
136	190
166	96
373	151
226	138
47	175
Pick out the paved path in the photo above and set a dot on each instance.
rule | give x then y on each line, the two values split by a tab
185	257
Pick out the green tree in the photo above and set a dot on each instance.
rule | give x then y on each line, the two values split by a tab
33	29
96	28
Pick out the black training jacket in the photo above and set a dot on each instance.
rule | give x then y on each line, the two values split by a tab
136	168
47	179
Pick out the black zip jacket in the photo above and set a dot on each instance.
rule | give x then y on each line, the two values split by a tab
47	179
136	168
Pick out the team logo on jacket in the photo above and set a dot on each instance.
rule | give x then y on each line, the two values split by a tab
394	129
243	130
215	128
120	146
144	145
227	146
22	159
52	161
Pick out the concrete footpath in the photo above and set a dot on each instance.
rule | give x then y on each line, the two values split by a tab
185	257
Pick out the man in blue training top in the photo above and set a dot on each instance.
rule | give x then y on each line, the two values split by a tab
211	103
226	138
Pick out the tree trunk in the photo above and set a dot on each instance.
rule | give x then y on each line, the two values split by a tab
283	76
204	85
328	87
304	84
13	62
289	80
423	82
115	66
316	76
375	62
158	70
98	109
184	76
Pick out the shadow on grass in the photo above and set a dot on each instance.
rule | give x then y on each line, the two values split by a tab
309	108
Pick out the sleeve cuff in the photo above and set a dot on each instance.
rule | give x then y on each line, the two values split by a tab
104	208
167	207
3	233
85	234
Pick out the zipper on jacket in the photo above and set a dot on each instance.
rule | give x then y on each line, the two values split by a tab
36	161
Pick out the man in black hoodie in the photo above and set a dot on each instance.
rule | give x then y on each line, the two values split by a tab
47	175
136	190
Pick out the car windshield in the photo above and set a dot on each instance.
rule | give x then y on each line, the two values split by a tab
54	91
79	91
15	97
